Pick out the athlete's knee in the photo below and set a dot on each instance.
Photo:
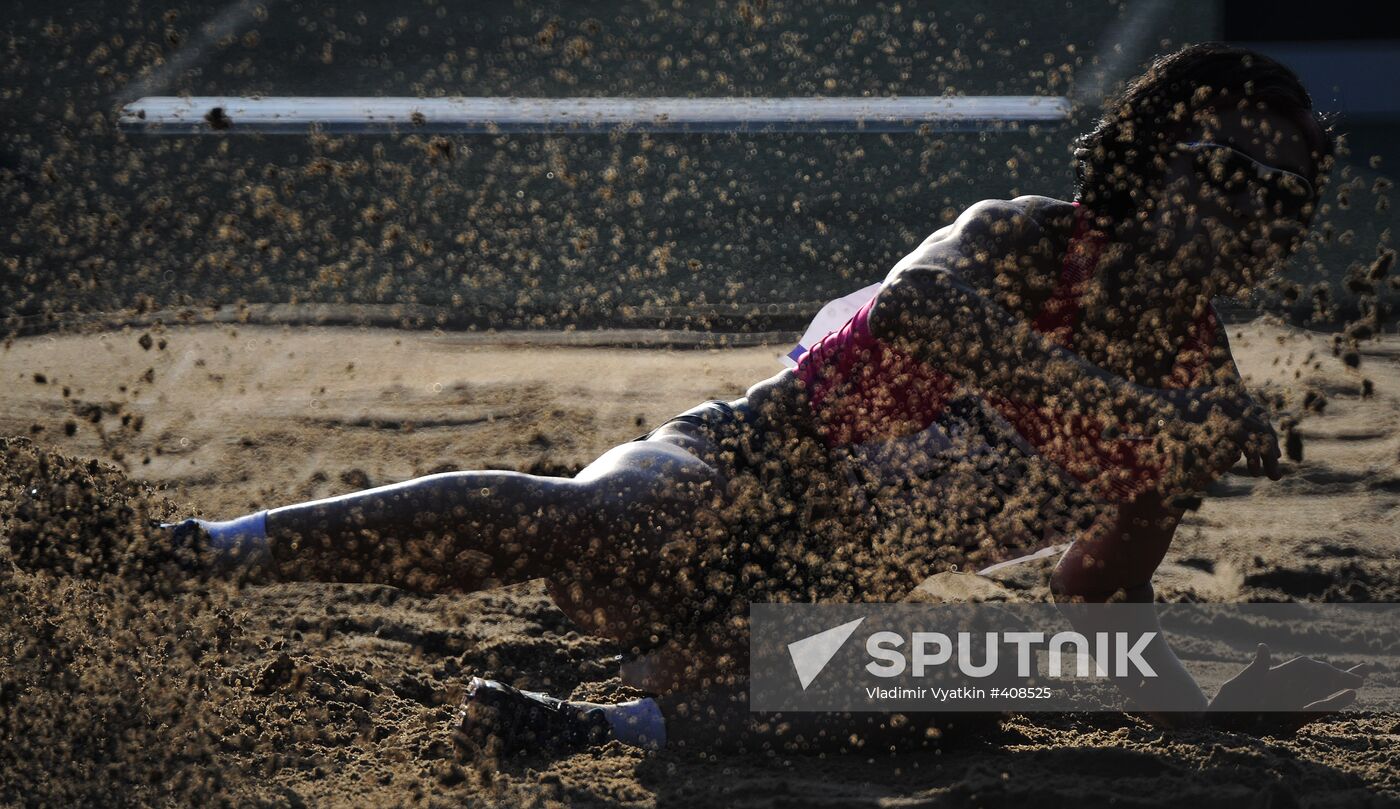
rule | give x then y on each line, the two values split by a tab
642	463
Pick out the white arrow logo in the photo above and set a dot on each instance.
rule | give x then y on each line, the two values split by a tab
811	654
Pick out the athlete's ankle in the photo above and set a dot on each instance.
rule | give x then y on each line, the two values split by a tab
638	723
234	544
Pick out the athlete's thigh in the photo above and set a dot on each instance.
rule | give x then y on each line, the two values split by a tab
655	502
677	467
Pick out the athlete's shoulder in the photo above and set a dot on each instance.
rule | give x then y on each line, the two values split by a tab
1002	248
1047	212
1012	224
986	234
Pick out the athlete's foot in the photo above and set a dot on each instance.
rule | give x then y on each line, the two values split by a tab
184	543
194	547
497	720
185	533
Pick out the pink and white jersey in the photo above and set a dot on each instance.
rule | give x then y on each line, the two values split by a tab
866	393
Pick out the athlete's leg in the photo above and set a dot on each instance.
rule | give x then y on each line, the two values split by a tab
497	716
468	530
657	501
700	689
720	719
451	531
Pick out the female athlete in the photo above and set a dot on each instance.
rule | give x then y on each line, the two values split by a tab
1028	335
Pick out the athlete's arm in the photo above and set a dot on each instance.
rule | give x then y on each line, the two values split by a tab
1114	561
1120	552
943	309
1260	445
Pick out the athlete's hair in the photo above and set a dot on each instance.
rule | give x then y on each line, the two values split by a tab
1116	159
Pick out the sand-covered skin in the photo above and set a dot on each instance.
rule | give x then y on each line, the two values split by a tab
340	694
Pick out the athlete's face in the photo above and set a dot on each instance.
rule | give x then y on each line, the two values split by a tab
1237	197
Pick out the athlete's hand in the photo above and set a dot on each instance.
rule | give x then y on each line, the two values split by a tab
1229	422
1251	430
1280	699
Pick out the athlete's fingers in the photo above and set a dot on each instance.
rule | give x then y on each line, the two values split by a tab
1313	711
1271	467
1258	422
1361	670
1332	704
1263	657
1321	675
1347	678
1229	457
1263	451
1254	453
1260	435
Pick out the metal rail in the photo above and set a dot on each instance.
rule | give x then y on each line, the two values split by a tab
297	115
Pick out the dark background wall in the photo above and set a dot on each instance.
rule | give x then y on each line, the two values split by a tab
550	231
1348	55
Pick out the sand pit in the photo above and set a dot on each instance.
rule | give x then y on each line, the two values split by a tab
133	683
